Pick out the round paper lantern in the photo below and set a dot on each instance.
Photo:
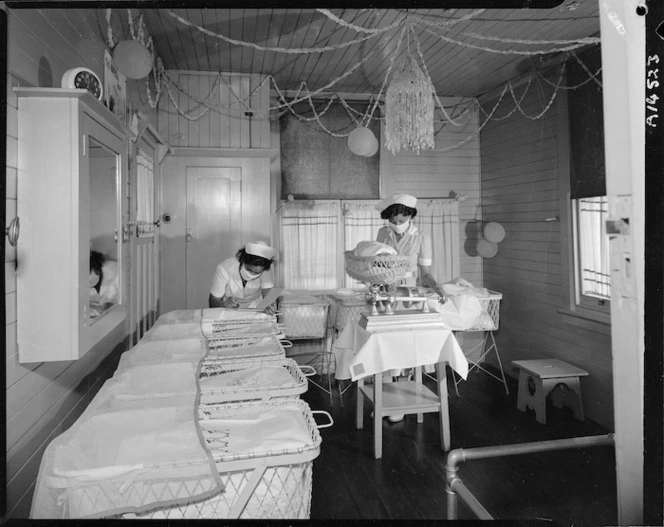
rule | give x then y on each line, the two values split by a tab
373	149
132	59
486	249
360	141
494	232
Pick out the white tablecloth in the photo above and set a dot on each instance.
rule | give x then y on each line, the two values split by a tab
360	353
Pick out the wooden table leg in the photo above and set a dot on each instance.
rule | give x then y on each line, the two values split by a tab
418	379
445	435
378	415
359	415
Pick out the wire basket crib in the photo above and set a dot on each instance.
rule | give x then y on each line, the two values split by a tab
243	380
303	319
235	348
347	309
487	322
241	328
271	484
489	319
307	318
380	269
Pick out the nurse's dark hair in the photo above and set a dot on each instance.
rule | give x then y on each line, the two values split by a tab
252	259
396	209
96	261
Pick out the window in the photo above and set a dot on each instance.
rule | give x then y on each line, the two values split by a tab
144	194
591	273
315	233
592	278
318	165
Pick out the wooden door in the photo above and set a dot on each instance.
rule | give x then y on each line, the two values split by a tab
214	226
213	205
143	242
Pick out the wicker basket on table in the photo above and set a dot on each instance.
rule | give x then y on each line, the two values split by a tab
382	269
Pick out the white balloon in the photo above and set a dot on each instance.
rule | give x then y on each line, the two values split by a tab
361	140
132	59
374	148
494	232
486	249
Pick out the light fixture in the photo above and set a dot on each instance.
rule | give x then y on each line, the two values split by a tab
409	108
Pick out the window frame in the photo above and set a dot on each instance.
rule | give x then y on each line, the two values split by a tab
585	301
572	305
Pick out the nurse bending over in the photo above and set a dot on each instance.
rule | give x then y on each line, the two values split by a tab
243	280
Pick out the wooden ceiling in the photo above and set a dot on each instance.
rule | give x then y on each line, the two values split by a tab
453	50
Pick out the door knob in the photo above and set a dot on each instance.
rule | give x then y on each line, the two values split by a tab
188	235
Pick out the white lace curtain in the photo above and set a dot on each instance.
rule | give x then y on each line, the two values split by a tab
312	253
361	222
309	249
144	194
439	218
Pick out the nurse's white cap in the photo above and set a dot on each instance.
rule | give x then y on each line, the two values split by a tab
261	249
403	199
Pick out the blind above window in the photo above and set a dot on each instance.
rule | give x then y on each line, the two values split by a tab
586	124
317	165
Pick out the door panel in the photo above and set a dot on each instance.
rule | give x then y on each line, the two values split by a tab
214	226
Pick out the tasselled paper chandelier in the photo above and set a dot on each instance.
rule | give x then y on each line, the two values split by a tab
409	110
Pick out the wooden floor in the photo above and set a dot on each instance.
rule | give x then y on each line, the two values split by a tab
571	487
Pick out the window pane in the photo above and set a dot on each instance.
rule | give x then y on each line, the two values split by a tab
593	247
144	194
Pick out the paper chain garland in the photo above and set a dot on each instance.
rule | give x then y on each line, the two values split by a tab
162	82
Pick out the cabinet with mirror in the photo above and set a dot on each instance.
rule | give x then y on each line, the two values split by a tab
71	290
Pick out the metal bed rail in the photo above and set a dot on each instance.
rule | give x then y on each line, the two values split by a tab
455	487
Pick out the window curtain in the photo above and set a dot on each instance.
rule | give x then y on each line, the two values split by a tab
439	218
310	252
361	222
144	194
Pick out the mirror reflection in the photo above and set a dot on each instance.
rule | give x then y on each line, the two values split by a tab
104	278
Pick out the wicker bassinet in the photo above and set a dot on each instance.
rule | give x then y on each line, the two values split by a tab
380	269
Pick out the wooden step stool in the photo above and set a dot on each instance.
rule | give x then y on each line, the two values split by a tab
538	377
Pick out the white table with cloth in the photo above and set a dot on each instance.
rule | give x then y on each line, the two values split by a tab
363	353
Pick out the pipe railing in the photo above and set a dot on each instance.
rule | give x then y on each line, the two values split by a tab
455	487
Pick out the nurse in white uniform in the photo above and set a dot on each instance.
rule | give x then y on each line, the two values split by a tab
406	239
244	279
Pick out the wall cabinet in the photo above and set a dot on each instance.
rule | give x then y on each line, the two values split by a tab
72	157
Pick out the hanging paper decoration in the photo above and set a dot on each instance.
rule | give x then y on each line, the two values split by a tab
409	110
494	232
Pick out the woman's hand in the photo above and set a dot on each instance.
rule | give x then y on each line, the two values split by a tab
439	291
229	302
270	310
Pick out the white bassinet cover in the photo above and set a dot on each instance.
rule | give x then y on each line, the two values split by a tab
140	432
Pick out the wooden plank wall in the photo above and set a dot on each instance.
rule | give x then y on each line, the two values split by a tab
521	186
44	399
227	124
452	166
